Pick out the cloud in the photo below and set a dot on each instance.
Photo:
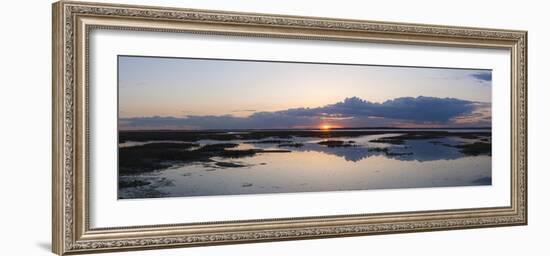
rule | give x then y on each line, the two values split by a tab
481	115
483	76
423	109
351	112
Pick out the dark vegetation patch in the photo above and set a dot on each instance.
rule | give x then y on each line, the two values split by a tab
292	145
475	149
428	135
192	136
469	136
423	135
151	156
273	150
335	143
216	147
229	164
147	188
157	156
132	184
389	140
269	141
385	150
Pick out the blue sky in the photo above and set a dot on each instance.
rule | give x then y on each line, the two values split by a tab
180	93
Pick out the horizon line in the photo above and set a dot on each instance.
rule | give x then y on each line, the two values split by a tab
313	129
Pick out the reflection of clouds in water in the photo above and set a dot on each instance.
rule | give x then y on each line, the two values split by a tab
429	150
314	167
412	150
314	171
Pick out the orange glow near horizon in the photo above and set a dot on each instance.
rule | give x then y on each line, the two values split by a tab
326	127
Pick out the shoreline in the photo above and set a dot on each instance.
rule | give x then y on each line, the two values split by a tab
193	136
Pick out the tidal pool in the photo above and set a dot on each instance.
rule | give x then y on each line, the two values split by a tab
303	163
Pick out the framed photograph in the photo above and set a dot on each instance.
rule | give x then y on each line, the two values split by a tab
179	127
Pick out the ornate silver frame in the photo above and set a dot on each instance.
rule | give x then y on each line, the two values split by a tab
72	21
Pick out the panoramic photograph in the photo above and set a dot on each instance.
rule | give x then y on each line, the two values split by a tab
210	127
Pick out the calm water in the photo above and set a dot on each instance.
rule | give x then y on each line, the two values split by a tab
315	167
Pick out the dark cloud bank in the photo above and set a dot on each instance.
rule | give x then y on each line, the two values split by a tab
351	112
483	76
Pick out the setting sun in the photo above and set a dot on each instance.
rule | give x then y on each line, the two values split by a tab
326	127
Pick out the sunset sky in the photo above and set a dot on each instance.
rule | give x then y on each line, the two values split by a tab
180	93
